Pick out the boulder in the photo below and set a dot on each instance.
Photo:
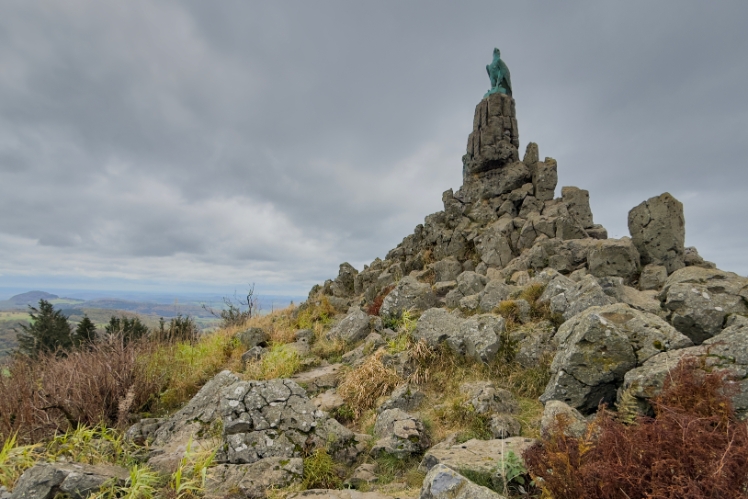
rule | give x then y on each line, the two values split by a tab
728	350
275	419
652	277
578	203
253	337
486	398
143	431
409	294
481	336
437	326
343	285
354	327
477	456
337	494
558	414
598	347
399	434
699	300
252	480
443	287
363	476
534	343
443	482
447	269
614	258
470	283
504	426
328	400
405	397
578	297
319	379
545	178
658	229
74	480
494	293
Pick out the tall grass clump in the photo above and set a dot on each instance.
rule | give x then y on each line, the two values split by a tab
362	386
693	447
281	361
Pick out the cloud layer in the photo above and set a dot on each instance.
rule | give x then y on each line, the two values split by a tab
192	144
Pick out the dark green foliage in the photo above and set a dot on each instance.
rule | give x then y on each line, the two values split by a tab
179	329
127	329
48	332
85	332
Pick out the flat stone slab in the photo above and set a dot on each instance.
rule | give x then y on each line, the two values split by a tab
482	456
319	379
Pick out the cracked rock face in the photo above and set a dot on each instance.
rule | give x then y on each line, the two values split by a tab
400	434
598	347
275	419
658	229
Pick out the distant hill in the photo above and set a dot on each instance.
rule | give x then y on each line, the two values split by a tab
31	298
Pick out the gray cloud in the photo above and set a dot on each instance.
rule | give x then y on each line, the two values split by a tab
253	141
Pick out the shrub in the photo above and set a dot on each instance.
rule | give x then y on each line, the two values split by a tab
311	313
320	471
362	386
693	447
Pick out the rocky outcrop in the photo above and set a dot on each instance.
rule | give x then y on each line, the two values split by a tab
558	415
658	229
399	434
597	347
409	294
355	326
699	300
443	482
252	480
74	480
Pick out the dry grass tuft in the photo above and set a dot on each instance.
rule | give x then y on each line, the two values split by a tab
362	386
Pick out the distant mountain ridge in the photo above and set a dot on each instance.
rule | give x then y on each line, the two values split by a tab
31	297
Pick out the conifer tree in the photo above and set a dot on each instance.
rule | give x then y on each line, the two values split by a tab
49	331
127	329
85	332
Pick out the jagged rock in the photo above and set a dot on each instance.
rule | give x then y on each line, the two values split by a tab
355	326
578	297
545	178
480	336
409	294
264	419
578	202
614	258
532	155
597	231
364	475
597	347
437	326
252	480
343	285
444	287
405	397
646	301
520	278
328	400
504	426
569	228
254	353
143	431
399	434
728	350
77	480
477	456
494	245
533	343
691	257
487	398
470	283
470	303
443	482
700	299
658	229
191	423
495	138
447	269
319	379
494	293
652	277
557	413
253	337
371	343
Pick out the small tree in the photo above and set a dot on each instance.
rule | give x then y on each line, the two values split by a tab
49	331
129	329
85	332
236	314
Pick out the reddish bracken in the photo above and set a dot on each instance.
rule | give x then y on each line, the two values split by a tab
373	309
694	447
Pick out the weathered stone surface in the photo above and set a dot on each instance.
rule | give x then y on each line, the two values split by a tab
371	343
700	299
337	494
399	434
447	269
558	414
343	285
578	203
652	277
727	350
405	397
364	475
444	287
319	379
354	327
252	480
598	347
504	426
442	482
614	258
143	431
658	229
77	480
494	293
534	343
646	301
470	283
486	398
328	400
189	424
579	297
470	304
480	336
480	456
436	326
264	419
409	294
545	178
254	353
253	337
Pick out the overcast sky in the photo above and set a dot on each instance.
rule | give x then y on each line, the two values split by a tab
192	145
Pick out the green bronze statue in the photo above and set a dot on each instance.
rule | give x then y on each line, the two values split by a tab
499	76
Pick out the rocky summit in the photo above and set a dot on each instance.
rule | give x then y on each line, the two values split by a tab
508	272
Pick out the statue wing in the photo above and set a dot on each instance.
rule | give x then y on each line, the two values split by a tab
505	72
